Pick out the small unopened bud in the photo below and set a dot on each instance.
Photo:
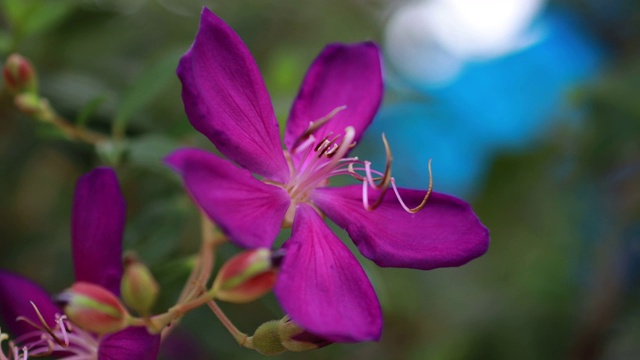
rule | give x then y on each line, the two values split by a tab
246	276
19	75
295	338
30	103
94	308
139	289
266	339
277	336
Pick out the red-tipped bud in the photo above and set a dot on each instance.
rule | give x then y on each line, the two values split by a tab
295	338
138	288
94	308
246	276
19	75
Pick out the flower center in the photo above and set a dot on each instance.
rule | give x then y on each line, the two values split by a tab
64	338
319	161
312	163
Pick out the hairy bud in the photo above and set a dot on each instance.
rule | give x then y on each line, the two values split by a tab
277	336
266	339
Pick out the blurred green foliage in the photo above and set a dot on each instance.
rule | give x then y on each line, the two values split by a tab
560	279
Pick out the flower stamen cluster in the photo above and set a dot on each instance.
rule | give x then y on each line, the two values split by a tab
14	351
312	172
45	340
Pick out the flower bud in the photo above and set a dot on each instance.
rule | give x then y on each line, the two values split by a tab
94	308
246	276
266	339
138	288
19	75
30	104
295	338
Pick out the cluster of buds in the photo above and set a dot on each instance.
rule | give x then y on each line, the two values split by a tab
98	310
277	336
21	80
243	278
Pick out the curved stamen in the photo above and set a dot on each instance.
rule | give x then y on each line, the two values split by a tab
424	200
315	125
365	197
46	326
384	183
60	320
353	172
365	194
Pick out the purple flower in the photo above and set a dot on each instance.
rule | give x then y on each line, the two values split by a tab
98	219
321	285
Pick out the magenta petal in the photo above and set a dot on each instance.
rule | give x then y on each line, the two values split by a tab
322	286
97	227
226	100
130	343
342	75
17	293
248	210
445	233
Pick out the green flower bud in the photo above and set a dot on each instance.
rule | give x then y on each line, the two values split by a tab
94	308
138	289
266	339
30	103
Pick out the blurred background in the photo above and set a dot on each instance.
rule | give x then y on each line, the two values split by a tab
528	109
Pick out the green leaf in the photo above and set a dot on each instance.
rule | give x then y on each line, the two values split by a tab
44	15
5	43
15	9
29	17
89	109
158	227
148	85
148	151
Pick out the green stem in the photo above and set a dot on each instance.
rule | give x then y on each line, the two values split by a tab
242	338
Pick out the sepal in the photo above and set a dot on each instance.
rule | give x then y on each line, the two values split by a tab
277	336
295	338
